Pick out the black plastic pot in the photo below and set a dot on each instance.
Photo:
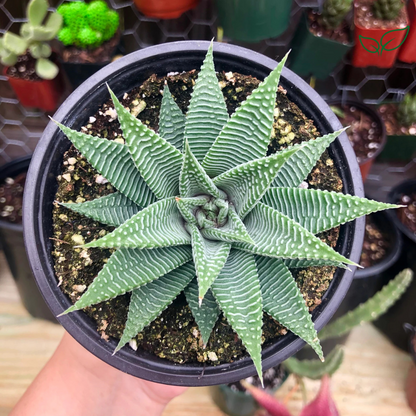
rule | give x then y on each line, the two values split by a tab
411	331
314	55
366	283
366	164
404	311
123	75
11	242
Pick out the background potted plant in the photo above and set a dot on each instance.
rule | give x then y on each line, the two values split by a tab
90	37
367	133
321	40
12	182
250	21
407	51
400	122
35	79
165	9
381	26
127	74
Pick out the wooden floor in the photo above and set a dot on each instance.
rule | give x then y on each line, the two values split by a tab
370	382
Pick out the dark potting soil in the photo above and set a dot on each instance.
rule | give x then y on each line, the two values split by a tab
174	335
407	215
11	199
376	244
364	16
102	54
340	34
365	133
393	127
24	68
272	378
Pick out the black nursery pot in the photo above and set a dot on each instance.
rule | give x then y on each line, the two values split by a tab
11	241
366	282
404	310
123	75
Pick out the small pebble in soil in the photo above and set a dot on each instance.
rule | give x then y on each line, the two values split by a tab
407	215
11	199
376	244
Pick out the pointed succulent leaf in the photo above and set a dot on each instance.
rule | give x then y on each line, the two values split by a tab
319	211
205	314
149	301
298	167
158	225
283	301
114	209
158	161
193	179
301	263
266	400
127	269
276	235
323	405
46	69
237	291
171	120
372	308
14	43
315	369
187	207
233	231
246	135
36	11
113	161
209	258
246	184
207	112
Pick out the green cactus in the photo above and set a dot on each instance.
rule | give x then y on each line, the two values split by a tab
406	110
387	9
334	12
34	36
87	26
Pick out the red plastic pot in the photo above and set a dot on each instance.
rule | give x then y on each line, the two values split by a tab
45	94
165	9
369	49
407	52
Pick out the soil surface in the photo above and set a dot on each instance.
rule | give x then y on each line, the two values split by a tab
364	16
376	244
102	54
365	133
272	379
11	199
341	34
393	127
408	215
174	335
24	68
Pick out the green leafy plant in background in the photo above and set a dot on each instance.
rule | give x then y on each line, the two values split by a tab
34	36
406	110
334	12
366	312
87	26
200	208
387	9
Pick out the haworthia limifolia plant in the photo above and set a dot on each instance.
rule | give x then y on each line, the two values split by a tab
200	208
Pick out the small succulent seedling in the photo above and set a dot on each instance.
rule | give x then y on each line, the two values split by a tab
406	110
387	9
334	12
200	208
87	25
34	35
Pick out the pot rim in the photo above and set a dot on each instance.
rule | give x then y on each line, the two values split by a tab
145	365
372	113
